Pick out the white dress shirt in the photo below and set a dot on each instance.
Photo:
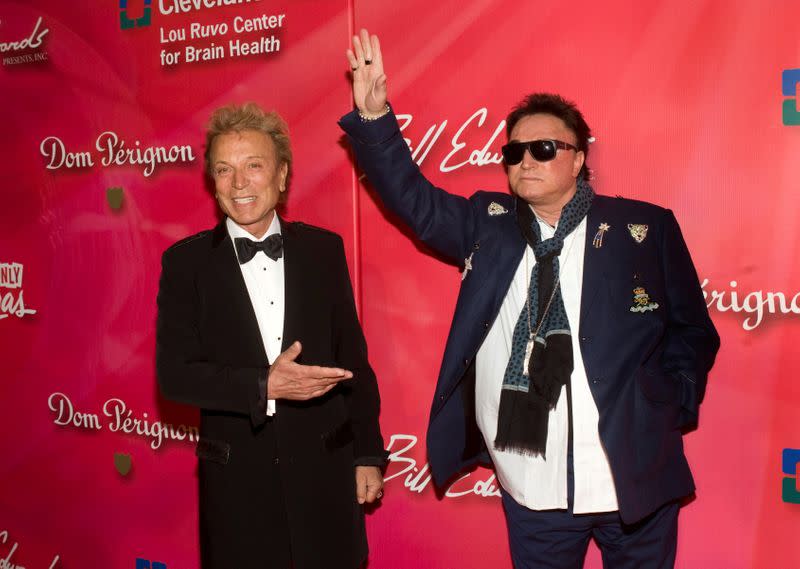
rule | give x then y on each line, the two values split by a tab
264	280
540	483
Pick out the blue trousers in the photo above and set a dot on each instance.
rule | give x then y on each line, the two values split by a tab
558	539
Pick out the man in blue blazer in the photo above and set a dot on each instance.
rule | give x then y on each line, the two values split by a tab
580	344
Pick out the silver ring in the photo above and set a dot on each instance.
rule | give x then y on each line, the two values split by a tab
380	494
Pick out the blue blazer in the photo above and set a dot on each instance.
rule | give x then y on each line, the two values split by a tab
647	370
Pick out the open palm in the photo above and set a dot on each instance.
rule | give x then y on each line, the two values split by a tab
369	80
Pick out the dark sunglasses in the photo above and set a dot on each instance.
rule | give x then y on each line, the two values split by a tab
541	150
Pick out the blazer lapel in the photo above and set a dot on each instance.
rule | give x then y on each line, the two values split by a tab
229	288
594	258
294	284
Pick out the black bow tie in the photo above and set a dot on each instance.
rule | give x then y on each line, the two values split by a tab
246	248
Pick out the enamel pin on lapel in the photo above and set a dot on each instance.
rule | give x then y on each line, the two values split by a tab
598	237
638	231
467	266
496	209
641	300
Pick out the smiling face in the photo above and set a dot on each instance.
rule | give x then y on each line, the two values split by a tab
548	184
248	178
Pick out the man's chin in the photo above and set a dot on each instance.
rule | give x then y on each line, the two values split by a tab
254	226
528	195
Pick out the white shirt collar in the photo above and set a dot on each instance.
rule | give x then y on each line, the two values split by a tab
235	230
542	222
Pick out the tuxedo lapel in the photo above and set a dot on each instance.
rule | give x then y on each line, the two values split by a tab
229	289
294	284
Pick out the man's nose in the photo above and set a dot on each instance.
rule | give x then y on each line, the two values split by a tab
528	161
239	179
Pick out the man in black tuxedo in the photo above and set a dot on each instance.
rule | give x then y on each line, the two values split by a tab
257	327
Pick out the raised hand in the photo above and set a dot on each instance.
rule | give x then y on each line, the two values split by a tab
291	380
369	80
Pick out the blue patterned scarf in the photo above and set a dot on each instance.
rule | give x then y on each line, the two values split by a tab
541	353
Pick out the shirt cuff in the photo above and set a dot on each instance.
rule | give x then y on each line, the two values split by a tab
379	461
372	132
268	405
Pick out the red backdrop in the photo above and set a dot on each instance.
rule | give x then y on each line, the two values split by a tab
686	101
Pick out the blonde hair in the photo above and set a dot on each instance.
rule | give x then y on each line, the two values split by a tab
250	116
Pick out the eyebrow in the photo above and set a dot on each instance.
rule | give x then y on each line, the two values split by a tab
552	138
246	158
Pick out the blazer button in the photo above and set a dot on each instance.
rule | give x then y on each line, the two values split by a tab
596	380
466	362
441	398
485	325
585	338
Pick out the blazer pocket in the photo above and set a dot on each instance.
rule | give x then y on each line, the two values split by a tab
659	386
338	437
215	451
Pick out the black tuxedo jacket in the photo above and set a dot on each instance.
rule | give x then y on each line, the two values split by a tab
210	354
647	370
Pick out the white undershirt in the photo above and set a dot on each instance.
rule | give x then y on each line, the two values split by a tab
264	280
535	482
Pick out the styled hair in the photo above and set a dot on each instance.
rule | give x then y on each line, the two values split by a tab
250	116
559	107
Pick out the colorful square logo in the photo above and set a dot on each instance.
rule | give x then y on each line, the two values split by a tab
126	23
146	564
790	467
789	80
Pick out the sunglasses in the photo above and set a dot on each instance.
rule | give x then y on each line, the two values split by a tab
541	150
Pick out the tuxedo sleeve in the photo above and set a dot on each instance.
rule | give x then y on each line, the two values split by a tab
351	353
691	341
184	372
443	221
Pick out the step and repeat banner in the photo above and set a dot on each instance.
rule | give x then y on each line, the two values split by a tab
693	105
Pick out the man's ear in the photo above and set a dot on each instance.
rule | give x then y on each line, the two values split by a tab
284	173
577	163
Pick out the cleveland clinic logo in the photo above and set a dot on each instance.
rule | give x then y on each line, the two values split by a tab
789	80
791	475
133	17
126	22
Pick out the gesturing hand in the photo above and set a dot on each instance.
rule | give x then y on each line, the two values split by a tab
369	80
289	380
